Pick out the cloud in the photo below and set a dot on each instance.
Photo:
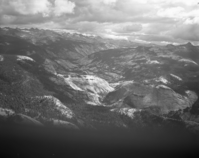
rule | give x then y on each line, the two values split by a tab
157	28
127	28
85	26
25	7
110	10
109	2
157	38
114	36
7	19
63	7
33	7
155	20
187	32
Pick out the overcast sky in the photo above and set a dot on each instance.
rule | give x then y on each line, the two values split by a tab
159	21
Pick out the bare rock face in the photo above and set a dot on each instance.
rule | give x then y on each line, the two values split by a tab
92	88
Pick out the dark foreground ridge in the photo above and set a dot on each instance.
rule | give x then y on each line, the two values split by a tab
31	141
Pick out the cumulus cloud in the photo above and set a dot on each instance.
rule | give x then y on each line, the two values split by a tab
7	19
85	26
32	7
127	28
109	2
63	6
155	38
187	32
149	20
25	7
157	28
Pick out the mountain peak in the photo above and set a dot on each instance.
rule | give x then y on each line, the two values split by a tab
189	44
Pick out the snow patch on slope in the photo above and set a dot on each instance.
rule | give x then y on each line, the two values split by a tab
162	79
192	96
163	86
1	58
6	112
153	62
178	78
21	58
188	61
130	112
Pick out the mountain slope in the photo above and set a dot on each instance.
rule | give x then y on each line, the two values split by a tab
80	81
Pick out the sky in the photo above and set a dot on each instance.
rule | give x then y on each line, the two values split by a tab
156	21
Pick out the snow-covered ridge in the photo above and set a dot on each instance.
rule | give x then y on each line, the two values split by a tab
21	58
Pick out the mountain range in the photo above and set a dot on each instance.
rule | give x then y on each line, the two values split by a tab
79	81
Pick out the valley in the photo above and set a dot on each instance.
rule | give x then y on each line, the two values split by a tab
70	80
